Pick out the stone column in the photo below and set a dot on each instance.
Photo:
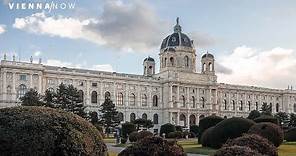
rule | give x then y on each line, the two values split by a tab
178	118
31	80
40	84
114	93
187	118
188	98
13	86
4	85
101	92
87	102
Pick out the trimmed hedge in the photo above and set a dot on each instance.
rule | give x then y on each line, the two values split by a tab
266	118
144	134
236	151
229	129
270	131
46	131
166	129
255	142
153	146
194	129
290	135
206	138
179	128
133	137
127	128
206	123
175	135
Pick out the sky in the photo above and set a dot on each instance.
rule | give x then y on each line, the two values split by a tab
253	41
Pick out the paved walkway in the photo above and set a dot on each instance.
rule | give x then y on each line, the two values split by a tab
119	149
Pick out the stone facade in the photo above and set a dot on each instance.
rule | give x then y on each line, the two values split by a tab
177	94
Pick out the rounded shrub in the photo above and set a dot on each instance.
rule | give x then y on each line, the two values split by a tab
127	128
290	135
236	151
175	135
266	118
133	137
253	115
270	131
194	129
144	134
255	142
179	128
206	138
229	129
123	140
167	128
153	146
46	131
208	122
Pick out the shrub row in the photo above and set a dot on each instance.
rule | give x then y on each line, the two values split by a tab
153	146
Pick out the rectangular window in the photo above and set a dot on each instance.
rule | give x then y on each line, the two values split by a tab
23	77
94	84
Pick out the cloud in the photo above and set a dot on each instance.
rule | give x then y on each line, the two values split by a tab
202	39
37	53
128	27
6	1
59	63
2	28
251	66
222	69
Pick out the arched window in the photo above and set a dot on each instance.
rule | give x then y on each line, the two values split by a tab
132	101
241	105
193	102
201	116
204	67
81	95
186	61
120	116
225	117
183	101
155	119
182	120
172	61
233	105
294	107
277	107
211	66
257	107
94	97
203	102
249	105
8	89
225	104
155	101
132	117
144	100
165	62
192	119
22	90
107	95
144	116
119	99
270	107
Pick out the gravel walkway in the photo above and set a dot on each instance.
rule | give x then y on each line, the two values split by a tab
119	149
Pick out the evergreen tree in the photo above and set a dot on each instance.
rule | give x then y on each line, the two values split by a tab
283	118
266	109
253	115
49	99
68	99
31	98
292	121
143	123
93	117
108	115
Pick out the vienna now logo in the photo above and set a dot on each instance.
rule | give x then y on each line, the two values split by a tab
49	6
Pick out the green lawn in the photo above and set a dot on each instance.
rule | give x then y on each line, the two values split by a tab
286	149
191	146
